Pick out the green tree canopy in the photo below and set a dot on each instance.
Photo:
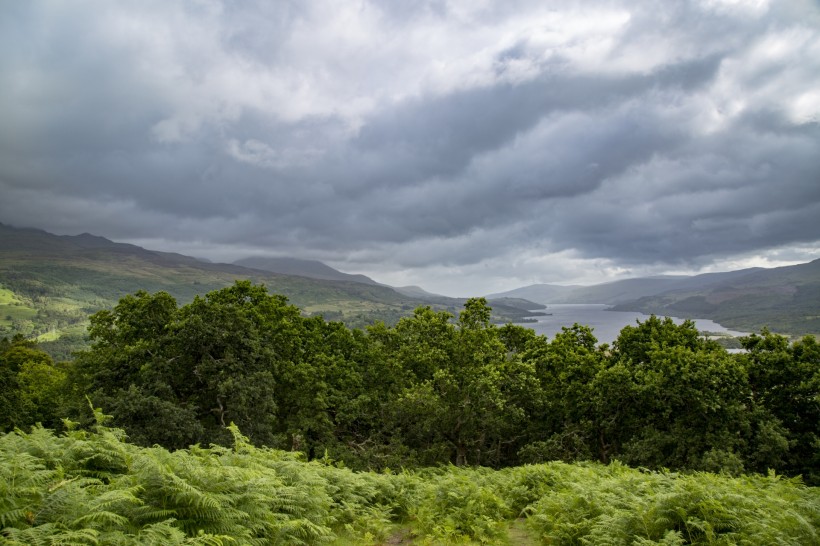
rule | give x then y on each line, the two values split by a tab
32	386
432	389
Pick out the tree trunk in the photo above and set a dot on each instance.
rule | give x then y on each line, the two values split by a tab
461	455
220	411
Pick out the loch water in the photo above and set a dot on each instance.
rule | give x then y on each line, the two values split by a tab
605	324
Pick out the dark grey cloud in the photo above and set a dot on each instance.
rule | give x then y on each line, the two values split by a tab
718	196
462	147
439	137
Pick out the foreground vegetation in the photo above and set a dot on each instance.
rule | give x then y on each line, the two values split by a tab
430	390
437	430
93	487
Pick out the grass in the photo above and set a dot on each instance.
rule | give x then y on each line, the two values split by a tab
13	310
52	335
7	297
519	534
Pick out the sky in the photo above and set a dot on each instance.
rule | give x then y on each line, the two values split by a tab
466	146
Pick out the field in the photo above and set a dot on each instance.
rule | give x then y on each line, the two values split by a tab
13	311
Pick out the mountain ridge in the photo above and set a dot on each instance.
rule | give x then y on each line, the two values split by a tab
304	268
785	299
50	284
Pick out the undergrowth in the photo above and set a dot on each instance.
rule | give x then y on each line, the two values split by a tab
95	488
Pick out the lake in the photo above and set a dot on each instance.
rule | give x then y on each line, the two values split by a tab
606	325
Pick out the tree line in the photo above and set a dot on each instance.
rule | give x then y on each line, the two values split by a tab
433	389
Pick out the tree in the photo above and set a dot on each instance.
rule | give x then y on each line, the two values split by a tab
785	386
200	367
674	399
225	351
638	343
565	425
459	402
131	373
518	339
31	386
319	393
177	376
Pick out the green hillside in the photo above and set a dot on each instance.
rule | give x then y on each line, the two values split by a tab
50	284
784	299
303	268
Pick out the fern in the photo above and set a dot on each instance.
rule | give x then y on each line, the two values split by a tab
52	535
92	487
24	481
654	508
457	507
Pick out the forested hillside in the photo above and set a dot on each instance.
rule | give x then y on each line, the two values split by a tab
50	284
784	299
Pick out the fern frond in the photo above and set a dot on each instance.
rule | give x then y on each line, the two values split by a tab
51	535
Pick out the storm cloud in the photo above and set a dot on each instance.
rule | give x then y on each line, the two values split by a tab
468	147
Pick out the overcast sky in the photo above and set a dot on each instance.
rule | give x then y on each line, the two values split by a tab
467	146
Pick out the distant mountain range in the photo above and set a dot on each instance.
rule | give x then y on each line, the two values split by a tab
622	291
311	269
504	308
784	299
314	269
50	284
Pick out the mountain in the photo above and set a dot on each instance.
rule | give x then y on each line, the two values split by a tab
311	269
417	292
784	299
615	292
532	308
541	293
317	270
50	284
504	308
620	291
609	293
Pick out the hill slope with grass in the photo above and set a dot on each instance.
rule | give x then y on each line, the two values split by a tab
50	284
784	299
303	268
